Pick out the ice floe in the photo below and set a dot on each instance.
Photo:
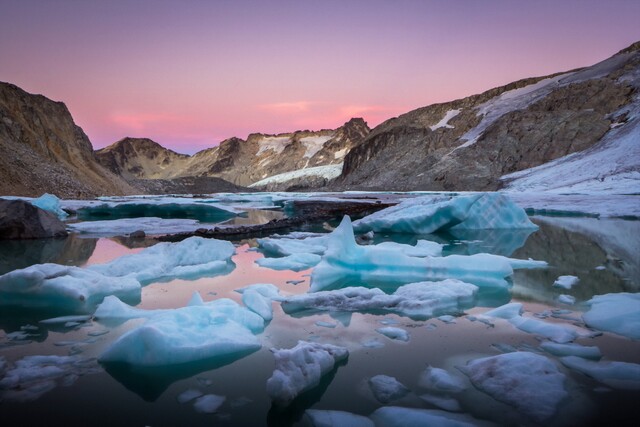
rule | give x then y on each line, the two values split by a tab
294	262
300	369
63	288
618	313
424	215
439	380
394	416
566	282
347	263
416	300
394	333
119	227
387	389
191	258
529	382
562	350
621	375
258	299
161	207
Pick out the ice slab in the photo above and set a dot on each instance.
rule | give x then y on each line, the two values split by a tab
439	380
258	299
347	263
300	369
181	336
323	418
529	382
33	376
167	207
394	333
294	262
119	227
420	300
559	333
562	350
566	282
618	313
620	375
424	215
394	416
190	259
63	288
387	389
50	203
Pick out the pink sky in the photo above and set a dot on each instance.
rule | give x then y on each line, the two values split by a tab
189	74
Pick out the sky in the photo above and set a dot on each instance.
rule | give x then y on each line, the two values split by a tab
189	74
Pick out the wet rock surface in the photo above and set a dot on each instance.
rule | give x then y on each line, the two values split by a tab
22	220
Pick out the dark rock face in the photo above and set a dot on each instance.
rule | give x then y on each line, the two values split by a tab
42	150
22	220
504	130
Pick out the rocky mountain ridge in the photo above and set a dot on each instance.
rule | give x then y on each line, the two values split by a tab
472	143
242	162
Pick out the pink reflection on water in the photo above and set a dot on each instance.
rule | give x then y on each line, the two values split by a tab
107	250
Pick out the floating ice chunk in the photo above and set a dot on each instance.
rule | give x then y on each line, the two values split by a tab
33	376
119	227
529	382
113	309
320	418
346	262
578	350
386	389
566	299
209	403
63	288
442	402
447	318
373	343
166	207
555	332
439	380
393	416
300	369
294	262
323	324
258	299
394	333
190	259
424	215
188	395
416	300
620	375
566	282
423	248
284	246
618	313
50	203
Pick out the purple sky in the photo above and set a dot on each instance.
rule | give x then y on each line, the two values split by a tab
189	74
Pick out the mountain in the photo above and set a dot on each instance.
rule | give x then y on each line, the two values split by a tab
502	137
242	162
43	150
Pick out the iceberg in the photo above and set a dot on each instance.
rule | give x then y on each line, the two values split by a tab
346	263
420	300
529	382
50	203
618	313
63	288
386	389
300	369
425	215
619	375
180	336
189	259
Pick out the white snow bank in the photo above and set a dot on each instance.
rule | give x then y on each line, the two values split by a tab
416	300
529	382
424	215
275	143
180	336
300	369
345	263
444	123
190	259
618	313
328	172
619	375
313	144
119	227
65	288
386	389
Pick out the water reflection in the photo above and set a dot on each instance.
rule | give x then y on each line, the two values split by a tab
16	254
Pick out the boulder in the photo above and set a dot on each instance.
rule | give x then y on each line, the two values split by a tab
22	220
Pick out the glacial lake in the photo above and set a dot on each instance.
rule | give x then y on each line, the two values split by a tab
602	253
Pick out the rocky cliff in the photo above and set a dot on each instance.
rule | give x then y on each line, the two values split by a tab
43	150
241	162
472	143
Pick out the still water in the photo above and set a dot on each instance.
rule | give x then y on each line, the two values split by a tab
597	251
